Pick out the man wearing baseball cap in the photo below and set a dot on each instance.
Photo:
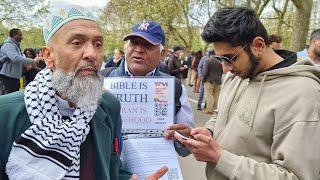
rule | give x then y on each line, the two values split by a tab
143	52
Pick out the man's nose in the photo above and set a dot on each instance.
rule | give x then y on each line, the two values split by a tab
90	52
138	48
225	67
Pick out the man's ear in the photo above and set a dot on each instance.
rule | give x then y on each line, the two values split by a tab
258	46
162	53
48	57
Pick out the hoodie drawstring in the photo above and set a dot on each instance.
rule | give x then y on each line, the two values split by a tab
258	100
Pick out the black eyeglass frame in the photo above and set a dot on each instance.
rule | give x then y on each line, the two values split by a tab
228	61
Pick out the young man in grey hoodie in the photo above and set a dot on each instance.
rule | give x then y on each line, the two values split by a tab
267	125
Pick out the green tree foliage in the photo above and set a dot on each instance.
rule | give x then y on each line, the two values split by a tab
182	20
25	15
4	32
300	23
257	5
278	21
280	9
174	15
22	12
32	37
287	15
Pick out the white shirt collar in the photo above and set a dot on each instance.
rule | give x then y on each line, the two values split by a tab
64	107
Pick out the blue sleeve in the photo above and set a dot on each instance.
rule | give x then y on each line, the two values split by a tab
200	67
10	50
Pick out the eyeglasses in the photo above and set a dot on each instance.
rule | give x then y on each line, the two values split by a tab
228	61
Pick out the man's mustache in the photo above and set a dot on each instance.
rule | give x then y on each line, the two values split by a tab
90	67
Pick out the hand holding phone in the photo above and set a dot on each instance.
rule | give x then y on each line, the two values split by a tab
182	136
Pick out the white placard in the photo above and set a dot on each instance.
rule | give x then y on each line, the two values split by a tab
146	103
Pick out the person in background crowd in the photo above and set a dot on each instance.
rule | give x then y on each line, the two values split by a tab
194	67
190	58
174	64
113	62
30	71
116	60
275	42
313	50
184	64
13	62
64	125
200	74
41	63
142	56
268	126
163	67
212	75
167	56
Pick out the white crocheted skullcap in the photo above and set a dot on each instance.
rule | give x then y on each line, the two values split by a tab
59	16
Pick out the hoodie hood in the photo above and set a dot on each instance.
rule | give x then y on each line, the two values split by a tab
303	67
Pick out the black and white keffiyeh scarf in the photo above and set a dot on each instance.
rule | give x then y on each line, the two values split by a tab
50	148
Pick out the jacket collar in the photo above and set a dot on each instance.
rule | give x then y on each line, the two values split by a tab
124	71
11	40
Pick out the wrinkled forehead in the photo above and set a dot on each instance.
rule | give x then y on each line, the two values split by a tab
317	40
78	29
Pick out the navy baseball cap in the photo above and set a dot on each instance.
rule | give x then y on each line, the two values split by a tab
150	31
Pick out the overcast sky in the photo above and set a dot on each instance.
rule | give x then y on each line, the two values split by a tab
85	3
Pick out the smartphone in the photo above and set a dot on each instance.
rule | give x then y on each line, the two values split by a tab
182	136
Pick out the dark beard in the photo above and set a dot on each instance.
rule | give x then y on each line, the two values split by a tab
254	63
316	52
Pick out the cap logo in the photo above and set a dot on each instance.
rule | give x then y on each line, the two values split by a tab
144	26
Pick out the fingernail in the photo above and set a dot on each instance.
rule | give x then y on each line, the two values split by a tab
134	177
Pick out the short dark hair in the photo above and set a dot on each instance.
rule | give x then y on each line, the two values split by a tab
235	26
177	48
14	31
275	38
33	52
315	34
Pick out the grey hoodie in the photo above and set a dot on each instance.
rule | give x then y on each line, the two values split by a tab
269	127
13	67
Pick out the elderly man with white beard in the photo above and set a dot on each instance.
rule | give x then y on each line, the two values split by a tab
64	126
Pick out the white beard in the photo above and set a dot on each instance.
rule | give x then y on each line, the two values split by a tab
82	91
